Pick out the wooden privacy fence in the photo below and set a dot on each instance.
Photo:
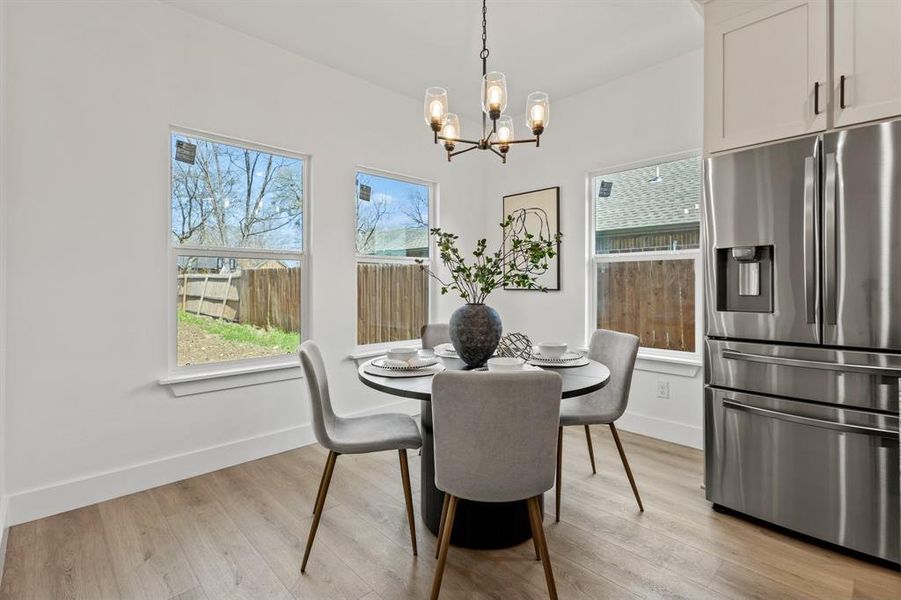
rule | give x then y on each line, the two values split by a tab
267	298
653	299
392	302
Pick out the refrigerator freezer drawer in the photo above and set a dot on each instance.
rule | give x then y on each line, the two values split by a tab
850	378
830	473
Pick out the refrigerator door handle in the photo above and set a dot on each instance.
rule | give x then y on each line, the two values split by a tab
811	364
775	414
830	251
810	239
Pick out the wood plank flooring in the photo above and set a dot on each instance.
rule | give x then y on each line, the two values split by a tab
240	533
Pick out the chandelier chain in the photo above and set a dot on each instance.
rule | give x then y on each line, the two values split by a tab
484	53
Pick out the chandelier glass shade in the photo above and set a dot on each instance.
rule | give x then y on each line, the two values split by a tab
499	135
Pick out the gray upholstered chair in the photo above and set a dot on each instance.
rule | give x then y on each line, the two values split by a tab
617	351
434	334
357	435
494	442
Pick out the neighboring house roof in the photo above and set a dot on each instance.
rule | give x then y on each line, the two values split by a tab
636	203
393	240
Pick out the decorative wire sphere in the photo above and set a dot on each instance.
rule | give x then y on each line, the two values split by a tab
515	345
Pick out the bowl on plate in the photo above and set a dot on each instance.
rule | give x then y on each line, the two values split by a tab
551	350
402	353
502	364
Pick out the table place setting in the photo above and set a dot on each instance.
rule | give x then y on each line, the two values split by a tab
404	361
556	355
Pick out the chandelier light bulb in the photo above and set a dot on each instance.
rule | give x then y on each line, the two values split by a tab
494	94
451	131
435	107
538	112
504	133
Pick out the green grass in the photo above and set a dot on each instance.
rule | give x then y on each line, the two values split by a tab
285	341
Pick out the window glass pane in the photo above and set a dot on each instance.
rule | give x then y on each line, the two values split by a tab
392	302
651	208
653	299
236	308
392	217
224	195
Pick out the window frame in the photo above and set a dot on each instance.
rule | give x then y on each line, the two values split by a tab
695	254
190	374
363	350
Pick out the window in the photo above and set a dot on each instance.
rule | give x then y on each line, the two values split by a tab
237	245
393	216
646	263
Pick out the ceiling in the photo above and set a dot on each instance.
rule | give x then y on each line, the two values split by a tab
561	47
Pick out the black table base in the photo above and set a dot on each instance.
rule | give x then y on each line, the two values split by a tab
477	525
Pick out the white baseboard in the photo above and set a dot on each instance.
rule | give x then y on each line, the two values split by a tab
4	532
59	497
669	431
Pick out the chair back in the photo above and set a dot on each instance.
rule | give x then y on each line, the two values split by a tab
495	433
321	413
617	351
434	334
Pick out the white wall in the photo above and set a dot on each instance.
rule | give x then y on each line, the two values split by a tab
651	113
92	89
3	230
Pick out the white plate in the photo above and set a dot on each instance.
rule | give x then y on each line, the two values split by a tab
383	362
446	351
427	371
579	362
567	357
525	367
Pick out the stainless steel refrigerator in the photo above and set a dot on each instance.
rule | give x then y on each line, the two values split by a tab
803	335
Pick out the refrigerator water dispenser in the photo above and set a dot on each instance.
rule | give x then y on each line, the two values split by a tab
745	279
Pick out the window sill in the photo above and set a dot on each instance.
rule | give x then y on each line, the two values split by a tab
373	350
200	380
687	365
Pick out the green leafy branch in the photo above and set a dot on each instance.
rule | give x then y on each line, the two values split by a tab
520	260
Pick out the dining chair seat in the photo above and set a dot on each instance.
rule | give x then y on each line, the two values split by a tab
590	410
360	435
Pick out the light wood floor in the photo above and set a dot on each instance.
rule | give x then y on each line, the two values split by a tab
240	533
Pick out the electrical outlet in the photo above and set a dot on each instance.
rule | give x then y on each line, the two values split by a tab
663	389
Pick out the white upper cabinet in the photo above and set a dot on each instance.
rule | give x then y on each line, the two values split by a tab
766	71
866	60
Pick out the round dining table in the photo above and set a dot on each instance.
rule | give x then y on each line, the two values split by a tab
479	525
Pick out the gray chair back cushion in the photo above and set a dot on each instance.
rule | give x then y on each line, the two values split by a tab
321	413
495	433
617	351
434	334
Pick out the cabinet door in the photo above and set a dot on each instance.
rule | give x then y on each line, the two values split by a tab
764	72
867	53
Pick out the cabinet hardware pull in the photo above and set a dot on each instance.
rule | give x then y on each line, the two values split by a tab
841	91
816	97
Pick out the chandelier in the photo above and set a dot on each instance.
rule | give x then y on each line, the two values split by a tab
499	137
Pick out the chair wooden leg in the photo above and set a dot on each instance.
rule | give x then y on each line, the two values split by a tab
557	488
443	544
441	524
319	493
622	455
535	537
590	449
541	542
408	496
320	502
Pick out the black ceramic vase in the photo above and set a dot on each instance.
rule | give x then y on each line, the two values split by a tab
475	330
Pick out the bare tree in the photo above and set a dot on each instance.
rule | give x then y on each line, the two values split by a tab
369	213
416	208
236	197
